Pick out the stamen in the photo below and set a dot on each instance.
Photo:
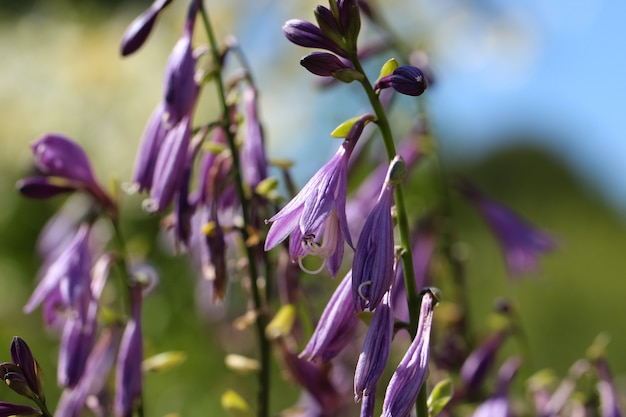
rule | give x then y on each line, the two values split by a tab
360	289
149	205
308	271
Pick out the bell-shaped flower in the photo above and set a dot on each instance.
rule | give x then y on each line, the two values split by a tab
374	258
336	326
170	166
521	243
498	404
139	30
410	374
318	212
66	168
179	85
149	147
129	379
375	350
253	158
69	273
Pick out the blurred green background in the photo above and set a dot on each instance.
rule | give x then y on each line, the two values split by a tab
61	72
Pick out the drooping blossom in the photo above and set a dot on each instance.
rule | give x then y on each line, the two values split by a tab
521	243
375	350
478	364
139	30
149	147
179	85
66	168
253	158
498	404
318	212
129	378
410	374
69	274
336	326
374	258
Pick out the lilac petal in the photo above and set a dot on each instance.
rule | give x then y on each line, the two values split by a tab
139	30
151	142
170	166
282	227
179	85
76	343
375	351
128	379
253	158
336	326
410	374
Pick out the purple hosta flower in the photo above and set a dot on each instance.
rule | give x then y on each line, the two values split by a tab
66	168
521	243
69	274
23	374
151	142
170	166
374	258
375	351
81	325
480	361
308	35
253	158
138	31
9	409
609	400
180	87
367	406
318	212
498	404
405	79
313	377
410	374
336	326
129	380
213	252
94	378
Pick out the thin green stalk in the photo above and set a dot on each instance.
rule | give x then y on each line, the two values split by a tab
257	299
412	295
42	406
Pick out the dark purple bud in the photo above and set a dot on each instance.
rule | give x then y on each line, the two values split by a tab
151	142
308	35
336	326
180	87
408	80
129	378
480	361
9	409
22	356
349	21
375	351
169	166
327	65
138	31
45	187
328	24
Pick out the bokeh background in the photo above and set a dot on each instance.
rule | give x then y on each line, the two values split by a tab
528	103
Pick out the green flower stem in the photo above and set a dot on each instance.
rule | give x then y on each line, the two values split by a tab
412	295
257	299
42	406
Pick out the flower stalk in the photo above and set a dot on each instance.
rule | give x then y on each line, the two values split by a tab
261	318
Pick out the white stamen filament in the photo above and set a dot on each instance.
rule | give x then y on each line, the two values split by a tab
308	271
360	289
